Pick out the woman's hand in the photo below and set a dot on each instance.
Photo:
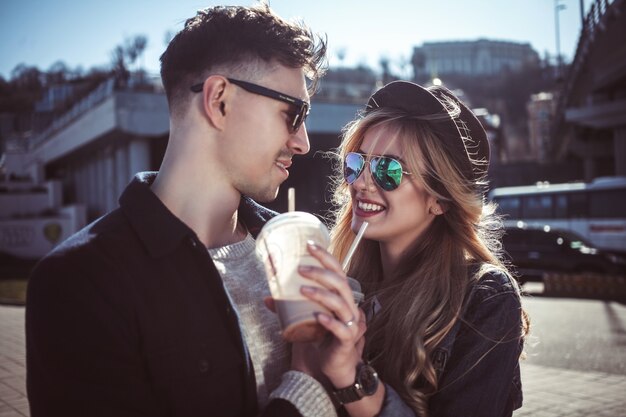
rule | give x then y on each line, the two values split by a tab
337	356
334	360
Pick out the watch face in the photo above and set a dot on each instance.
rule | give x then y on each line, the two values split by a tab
367	379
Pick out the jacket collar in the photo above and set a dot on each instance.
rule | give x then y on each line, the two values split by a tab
160	230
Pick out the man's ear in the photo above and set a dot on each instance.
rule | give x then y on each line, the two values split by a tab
214	97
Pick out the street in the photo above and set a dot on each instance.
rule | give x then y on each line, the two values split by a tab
576	364
583	335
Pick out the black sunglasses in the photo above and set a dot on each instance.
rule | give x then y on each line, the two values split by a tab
386	171
301	107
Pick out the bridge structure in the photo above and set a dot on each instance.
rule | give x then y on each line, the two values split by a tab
590	116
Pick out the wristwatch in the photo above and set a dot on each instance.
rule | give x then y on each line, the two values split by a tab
365	385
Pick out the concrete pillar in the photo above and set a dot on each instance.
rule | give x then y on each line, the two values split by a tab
92	169
589	167
100	183
619	146
122	175
138	155
37	173
79	183
109	179
83	193
101	175
55	194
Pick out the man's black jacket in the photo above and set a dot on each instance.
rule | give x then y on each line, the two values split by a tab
129	317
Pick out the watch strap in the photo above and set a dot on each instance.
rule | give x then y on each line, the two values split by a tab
349	394
365	374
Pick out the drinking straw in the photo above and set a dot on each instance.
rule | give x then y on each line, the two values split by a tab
355	242
291	199
269	258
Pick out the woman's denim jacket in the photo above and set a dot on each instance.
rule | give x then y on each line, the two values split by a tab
477	361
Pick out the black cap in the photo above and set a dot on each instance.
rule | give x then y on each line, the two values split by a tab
464	130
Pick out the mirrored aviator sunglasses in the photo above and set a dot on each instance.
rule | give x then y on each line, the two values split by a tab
386	171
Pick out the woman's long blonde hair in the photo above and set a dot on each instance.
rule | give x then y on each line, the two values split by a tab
424	295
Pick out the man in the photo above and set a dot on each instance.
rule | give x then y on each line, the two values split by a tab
156	309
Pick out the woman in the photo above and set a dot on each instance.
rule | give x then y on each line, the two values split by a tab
445	326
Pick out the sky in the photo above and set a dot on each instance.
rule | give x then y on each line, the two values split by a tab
84	32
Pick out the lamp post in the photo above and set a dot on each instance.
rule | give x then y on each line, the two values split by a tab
582	13
557	8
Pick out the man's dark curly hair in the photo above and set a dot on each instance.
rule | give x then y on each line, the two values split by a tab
233	38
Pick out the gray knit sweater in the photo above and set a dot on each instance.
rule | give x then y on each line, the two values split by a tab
245	282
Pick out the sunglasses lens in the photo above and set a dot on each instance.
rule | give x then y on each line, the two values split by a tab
387	172
299	117
352	167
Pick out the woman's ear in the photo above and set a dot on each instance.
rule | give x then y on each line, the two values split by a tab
214	98
437	208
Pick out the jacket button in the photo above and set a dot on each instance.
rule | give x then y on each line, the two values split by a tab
193	242
228	310
203	366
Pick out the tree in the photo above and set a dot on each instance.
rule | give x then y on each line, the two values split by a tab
168	36
341	55
118	60
124	56
58	73
118	64
26	78
135	47
5	87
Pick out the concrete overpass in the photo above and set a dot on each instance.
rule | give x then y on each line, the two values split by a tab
590	122
107	137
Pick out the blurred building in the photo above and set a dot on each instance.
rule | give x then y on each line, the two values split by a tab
347	85
540	109
55	96
493	128
95	148
480	57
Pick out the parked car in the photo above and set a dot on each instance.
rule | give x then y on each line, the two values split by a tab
533	251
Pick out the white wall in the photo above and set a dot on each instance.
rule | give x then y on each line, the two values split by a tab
35	237
22	199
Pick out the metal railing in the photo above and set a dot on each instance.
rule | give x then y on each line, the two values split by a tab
104	90
136	82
